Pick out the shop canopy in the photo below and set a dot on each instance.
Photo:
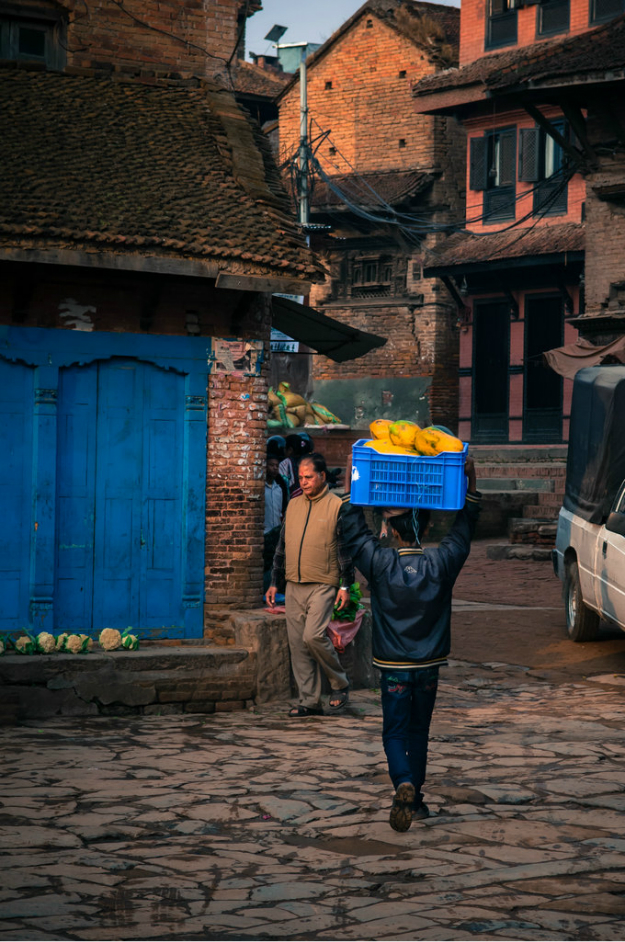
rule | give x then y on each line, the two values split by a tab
334	339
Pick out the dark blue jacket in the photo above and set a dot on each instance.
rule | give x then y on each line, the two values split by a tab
410	588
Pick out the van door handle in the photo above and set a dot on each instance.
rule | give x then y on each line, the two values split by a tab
605	547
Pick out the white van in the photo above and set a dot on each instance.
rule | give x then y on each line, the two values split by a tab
589	556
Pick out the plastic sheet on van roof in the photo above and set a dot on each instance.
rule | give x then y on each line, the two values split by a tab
596	457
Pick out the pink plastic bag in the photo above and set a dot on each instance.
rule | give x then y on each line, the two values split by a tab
342	632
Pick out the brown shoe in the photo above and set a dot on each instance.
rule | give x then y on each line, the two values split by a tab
401	811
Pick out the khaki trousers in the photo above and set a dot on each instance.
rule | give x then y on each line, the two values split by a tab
308	613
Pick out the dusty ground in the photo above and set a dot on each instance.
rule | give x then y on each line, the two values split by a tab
533	632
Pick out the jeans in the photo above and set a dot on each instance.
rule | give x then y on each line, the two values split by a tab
408	699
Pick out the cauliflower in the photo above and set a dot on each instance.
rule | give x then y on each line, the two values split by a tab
2	647
74	644
87	643
46	643
130	642
25	645
61	641
110	639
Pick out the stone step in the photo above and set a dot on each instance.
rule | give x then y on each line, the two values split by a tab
549	512
530	530
501	551
506	484
509	454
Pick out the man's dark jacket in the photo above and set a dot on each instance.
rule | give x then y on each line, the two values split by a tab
410	588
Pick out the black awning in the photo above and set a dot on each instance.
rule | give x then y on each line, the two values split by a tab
338	341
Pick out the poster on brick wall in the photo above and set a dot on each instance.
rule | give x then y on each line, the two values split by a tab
236	356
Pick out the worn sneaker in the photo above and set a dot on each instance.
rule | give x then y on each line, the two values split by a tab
402	808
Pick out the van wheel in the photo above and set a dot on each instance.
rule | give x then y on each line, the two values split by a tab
582	624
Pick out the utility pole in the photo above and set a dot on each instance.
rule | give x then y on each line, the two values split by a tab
303	143
274	35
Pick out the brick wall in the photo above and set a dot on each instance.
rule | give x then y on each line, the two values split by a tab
605	228
168	35
358	92
473	27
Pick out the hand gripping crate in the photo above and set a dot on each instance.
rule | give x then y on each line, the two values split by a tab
434	483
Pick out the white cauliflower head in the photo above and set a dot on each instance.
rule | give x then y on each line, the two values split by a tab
46	643
87	643
130	642
61	640
74	644
109	639
25	645
2	647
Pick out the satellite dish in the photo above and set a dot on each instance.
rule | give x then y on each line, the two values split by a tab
276	33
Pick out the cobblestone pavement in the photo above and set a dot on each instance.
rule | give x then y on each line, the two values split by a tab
253	826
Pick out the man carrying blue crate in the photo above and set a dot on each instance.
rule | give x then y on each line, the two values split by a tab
411	592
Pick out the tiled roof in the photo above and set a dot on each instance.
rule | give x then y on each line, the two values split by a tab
446	17
591	53
164	169
393	187
250	79
465	248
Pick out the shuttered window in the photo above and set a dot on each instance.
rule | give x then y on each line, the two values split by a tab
541	161
493	169
529	155
478	166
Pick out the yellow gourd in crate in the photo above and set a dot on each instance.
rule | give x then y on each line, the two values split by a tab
432	441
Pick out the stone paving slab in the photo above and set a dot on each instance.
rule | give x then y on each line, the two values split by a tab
253	826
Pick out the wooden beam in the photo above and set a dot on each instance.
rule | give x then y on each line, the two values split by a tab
574	115
138	263
549	129
274	285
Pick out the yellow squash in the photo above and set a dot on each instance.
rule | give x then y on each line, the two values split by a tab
379	429
386	447
403	433
431	441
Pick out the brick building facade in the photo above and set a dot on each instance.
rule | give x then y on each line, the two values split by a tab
519	266
141	222
379	164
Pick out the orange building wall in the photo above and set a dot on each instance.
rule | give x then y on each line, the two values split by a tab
473	28
368	109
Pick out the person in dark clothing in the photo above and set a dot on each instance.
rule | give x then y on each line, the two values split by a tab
411	591
296	448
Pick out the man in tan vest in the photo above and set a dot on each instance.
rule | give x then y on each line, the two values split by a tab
311	563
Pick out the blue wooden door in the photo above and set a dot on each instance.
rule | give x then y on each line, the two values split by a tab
16	531
102	482
120	487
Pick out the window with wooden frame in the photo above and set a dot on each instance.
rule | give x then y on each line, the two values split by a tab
501	23
603	10
31	39
492	169
542	161
553	16
372	277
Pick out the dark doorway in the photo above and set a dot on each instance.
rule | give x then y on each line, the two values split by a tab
544	328
491	353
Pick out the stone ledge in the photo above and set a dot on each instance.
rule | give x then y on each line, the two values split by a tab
167	678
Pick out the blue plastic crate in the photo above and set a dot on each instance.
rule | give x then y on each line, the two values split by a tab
437	483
